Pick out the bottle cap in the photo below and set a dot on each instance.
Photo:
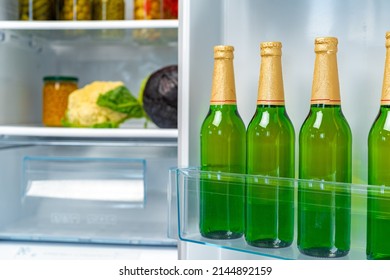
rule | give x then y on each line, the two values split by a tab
271	48
325	44
224	52
387	39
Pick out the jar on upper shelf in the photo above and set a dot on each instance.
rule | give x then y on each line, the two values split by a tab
108	9
170	9
75	9
148	9
37	10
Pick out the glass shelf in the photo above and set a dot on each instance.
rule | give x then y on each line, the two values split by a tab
123	132
19	135
93	24
58	33
189	181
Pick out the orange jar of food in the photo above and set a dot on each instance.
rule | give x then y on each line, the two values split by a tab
56	90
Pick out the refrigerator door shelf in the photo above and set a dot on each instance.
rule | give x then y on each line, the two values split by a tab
188	182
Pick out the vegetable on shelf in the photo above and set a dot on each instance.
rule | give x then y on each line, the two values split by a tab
101	104
159	97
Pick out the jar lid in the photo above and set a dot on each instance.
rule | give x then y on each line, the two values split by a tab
60	79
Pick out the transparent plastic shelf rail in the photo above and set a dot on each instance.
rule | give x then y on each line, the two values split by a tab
190	182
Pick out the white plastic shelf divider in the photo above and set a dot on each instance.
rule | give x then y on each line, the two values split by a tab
117	133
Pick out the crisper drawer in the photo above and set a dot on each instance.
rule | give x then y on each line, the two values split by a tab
114	193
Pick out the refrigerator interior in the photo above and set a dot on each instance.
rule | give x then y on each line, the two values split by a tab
93	186
360	27
89	52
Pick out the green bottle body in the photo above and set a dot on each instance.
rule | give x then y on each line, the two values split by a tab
270	152
324	211
223	147
378	199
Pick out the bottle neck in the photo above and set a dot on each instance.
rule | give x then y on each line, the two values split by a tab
223	89
325	108
270	89
270	107
275	110
325	89
223	107
385	107
385	99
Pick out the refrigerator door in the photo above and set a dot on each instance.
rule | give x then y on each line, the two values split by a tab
360	27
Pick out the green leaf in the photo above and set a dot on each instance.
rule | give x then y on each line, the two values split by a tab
66	123
121	100
106	125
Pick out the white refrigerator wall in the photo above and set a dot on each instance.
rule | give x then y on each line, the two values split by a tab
360	26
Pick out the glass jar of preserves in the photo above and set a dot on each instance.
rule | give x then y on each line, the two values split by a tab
76	9
108	9
56	90
37	10
147	9
170	9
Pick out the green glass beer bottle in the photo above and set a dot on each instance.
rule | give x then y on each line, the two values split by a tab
378	202
325	142
270	152
223	148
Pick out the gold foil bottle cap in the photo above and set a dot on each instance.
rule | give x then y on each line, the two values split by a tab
325	88
270	90
387	39
271	48
224	52
223	91
385	99
325	44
